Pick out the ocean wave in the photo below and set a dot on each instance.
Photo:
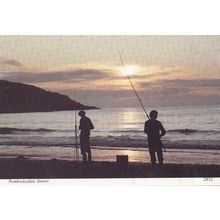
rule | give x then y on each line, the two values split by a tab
181	131
186	131
127	131
116	143
6	130
191	131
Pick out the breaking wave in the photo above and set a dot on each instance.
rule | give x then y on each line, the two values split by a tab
192	131
180	131
5	130
186	131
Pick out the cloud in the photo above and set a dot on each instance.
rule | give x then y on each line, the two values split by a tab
163	93
10	62
179	92
102	98
76	75
106	87
182	83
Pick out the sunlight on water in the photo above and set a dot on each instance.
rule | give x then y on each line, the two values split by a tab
116	127
193	134
130	119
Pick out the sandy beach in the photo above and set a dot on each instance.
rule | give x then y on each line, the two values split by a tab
24	168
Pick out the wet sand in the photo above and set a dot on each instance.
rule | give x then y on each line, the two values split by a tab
26	168
178	156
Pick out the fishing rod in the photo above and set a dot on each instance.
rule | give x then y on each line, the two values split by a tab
135	92
76	138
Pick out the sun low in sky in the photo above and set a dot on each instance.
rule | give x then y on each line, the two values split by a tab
166	70
129	70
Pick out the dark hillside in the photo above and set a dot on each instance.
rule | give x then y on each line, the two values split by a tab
18	98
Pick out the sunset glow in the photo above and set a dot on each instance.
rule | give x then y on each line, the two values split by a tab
161	67
130	70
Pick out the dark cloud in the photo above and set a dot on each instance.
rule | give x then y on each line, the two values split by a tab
78	75
102	98
100	92
155	75
151	97
182	83
155	93
10	62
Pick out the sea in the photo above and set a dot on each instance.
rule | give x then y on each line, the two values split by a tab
193	134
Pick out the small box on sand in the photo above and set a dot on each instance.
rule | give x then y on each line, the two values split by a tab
122	160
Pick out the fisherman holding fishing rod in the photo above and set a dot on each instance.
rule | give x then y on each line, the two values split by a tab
153	128
85	125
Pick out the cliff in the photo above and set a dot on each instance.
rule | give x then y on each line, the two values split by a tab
20	98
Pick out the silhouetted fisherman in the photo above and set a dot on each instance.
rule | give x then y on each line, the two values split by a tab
85	125
154	130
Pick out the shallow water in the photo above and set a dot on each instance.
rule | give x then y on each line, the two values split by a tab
186	156
193	134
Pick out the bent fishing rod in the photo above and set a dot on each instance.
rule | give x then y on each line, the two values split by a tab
135	92
76	154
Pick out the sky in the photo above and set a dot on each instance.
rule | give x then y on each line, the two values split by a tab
165	70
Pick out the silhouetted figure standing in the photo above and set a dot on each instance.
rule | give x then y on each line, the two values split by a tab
85	125
154	130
